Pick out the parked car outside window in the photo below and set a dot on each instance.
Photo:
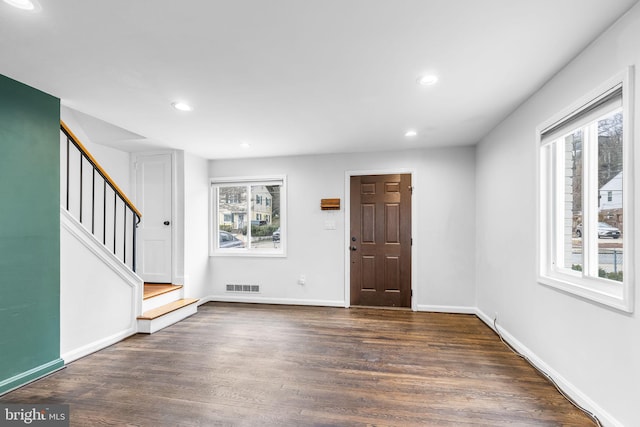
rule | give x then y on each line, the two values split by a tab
228	240
604	230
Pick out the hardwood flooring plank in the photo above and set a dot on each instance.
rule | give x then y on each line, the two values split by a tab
254	365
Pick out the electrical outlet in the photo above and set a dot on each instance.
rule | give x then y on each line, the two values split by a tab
302	280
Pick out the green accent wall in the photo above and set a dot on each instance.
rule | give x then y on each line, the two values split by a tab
29	234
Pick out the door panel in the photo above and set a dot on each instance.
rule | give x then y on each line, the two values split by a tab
368	273
381	240
368	233
392	223
392	274
153	194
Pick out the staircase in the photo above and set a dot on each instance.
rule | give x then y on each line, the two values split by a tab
98	214
162	306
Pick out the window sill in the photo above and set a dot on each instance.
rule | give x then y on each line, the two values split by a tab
243	253
605	292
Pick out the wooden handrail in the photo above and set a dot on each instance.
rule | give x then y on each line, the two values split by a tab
100	169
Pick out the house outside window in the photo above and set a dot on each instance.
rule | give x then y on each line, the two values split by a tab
584	199
261	210
242	222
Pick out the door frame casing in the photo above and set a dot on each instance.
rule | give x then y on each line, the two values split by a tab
347	229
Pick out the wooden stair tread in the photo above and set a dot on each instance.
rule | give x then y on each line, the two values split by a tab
167	308
154	289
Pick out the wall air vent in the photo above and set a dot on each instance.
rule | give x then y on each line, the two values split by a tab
233	287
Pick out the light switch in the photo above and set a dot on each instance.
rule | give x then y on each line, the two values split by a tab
329	225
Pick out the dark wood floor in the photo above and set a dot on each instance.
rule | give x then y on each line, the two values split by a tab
250	365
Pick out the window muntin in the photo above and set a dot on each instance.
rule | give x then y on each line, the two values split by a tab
243	223
584	198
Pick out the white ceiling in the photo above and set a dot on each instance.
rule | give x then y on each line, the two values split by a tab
294	76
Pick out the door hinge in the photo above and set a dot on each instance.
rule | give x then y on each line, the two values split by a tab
412	241
411	189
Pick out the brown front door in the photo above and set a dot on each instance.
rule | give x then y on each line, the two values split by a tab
380	241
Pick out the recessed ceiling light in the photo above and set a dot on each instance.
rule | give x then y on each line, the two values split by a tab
29	5
428	80
182	106
410	133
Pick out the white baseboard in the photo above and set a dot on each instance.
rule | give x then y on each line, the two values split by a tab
446	309
324	303
489	321
86	350
567	387
264	300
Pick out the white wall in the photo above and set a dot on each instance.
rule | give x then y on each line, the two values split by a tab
593	349
196	226
445	240
96	209
115	162
99	297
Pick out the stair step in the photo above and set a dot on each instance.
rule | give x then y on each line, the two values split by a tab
167	308
158	294
154	289
166	315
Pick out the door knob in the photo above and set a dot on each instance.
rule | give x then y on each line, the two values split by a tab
166	223
353	248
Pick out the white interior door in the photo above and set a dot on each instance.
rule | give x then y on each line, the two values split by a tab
153	198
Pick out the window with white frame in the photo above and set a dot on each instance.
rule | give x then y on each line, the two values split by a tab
585	193
248	216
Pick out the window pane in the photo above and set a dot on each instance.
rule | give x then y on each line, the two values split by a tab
232	217
572	206
610	210
265	216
